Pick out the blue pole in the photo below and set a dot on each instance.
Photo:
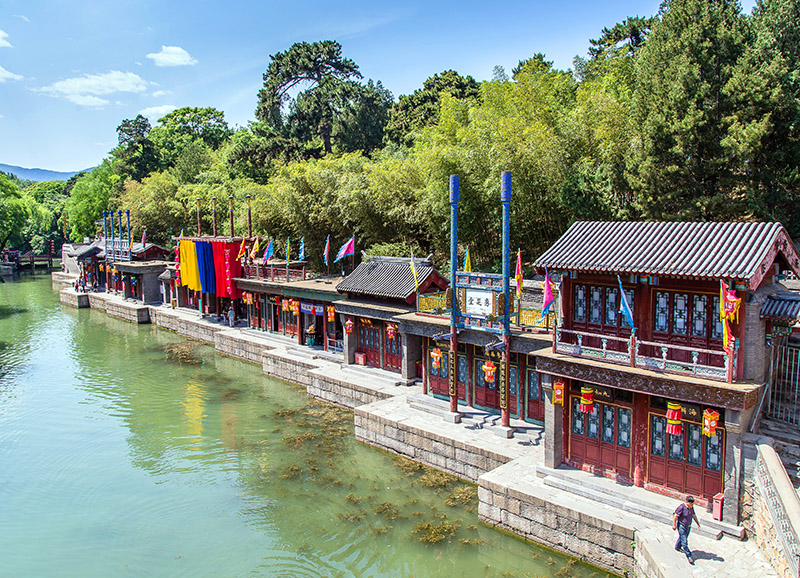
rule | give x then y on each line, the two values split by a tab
505	198
128	217
111	256
120	235
451	360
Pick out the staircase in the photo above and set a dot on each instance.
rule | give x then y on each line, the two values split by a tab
787	446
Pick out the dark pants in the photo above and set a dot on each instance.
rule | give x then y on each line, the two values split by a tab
683	539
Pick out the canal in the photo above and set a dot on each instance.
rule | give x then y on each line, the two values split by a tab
128	451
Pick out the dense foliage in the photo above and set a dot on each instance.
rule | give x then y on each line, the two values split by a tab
693	113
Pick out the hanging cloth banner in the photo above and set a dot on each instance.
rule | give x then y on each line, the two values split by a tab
218	251
674	417
190	274
205	264
587	400
233	270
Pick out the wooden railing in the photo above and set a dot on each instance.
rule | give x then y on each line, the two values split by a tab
718	365
274	273
524	318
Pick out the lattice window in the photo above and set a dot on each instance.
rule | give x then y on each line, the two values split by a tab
694	445
624	427
608	424
513	380
595	305
611	305
714	452
534	391
699	315
462	369
658	427
579	304
577	418
675	445
629	297
661	322
478	373
443	366
680	313
716	326
593	423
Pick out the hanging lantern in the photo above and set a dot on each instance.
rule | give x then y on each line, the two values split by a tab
558	393
349	325
285	305
710	421
489	370
587	399
674	417
436	358
391	331
331	314
296	307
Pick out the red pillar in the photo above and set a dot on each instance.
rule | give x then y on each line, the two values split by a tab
639	438
505	413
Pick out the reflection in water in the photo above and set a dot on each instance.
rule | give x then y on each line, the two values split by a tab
118	460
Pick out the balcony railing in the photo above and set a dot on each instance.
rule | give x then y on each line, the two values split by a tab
274	273
630	351
526	318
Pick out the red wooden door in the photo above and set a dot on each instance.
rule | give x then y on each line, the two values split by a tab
461	378
534	407
688	462
393	354
437	376
369	343
601	440
486	394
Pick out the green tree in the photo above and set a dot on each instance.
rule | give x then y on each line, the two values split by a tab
421	109
764	133
136	155
329	78
681	169
185	126
89	197
12	214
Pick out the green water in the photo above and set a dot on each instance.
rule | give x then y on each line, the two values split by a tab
128	451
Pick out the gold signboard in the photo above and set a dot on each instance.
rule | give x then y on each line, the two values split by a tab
451	375
503	386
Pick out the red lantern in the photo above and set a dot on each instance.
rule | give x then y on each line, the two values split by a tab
558	393
587	400
436	358
391	331
674	417
348	326
296	307
285	305
489	370
710	421
331	314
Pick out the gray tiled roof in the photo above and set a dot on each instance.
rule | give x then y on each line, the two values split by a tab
386	277
710	250
782	307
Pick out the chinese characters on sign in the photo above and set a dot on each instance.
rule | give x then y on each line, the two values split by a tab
479	302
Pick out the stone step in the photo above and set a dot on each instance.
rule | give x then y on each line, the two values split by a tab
630	499
372	374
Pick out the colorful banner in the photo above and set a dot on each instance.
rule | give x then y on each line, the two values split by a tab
348	248
190	274
327	250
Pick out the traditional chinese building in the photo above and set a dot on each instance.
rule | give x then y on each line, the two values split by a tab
661	402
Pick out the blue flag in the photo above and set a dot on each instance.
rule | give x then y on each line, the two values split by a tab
268	251
302	255
624	307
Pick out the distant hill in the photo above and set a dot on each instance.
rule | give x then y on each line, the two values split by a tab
38	175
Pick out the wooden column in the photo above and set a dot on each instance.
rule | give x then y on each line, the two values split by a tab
641	404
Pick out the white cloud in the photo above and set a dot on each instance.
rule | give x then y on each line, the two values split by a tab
6	75
172	56
85	90
3	42
22	17
159	93
156	112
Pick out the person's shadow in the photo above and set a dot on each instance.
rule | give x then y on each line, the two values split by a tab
702	555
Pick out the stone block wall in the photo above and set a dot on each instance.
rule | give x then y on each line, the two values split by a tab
576	533
187	327
98	301
277	365
62	280
233	344
128	311
340	392
446	454
70	298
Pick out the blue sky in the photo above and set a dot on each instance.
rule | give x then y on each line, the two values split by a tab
70	72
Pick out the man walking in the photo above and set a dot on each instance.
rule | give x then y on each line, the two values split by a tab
682	521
